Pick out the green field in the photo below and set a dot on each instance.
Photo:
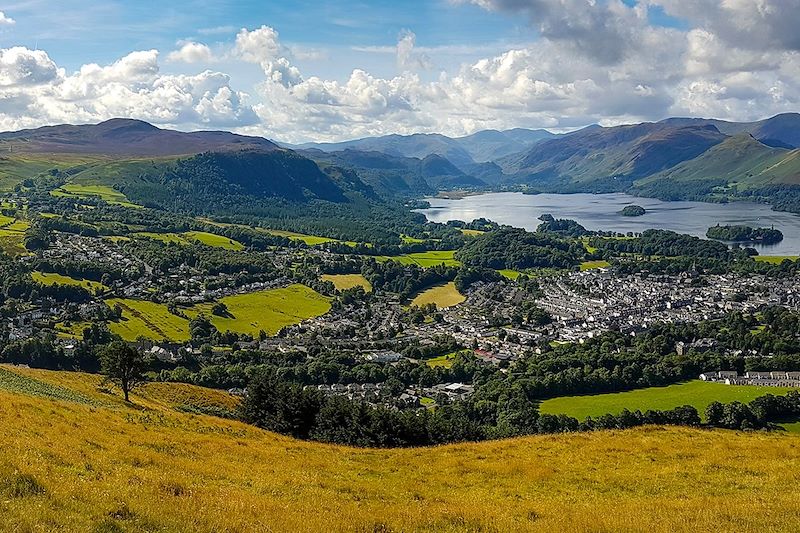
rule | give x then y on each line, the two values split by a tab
347	281
104	192
442	296
696	393
12	236
472	232
310	240
590	265
268	310
46	278
510	274
212	239
424	259
776	259
141	318
202	237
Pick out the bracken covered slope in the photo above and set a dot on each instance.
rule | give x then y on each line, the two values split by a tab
82	461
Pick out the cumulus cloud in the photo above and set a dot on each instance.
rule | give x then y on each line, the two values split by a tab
750	24
5	20
191	52
588	61
20	66
407	57
133	87
604	31
261	46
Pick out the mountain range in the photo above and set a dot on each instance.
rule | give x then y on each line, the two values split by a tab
673	158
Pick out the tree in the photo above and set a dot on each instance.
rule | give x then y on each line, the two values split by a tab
124	366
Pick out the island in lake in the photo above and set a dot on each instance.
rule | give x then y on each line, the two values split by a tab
633	211
745	234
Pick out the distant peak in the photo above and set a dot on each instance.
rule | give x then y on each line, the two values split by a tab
127	123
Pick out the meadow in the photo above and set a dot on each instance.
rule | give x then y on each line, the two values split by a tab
48	278
591	265
267	311
186	238
775	259
107	467
142	318
347	281
696	393
103	192
425	259
441	295
12	235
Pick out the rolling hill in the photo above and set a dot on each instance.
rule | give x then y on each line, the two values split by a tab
74	457
126	137
780	131
390	175
419	146
622	154
739	159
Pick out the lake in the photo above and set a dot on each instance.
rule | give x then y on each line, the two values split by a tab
601	212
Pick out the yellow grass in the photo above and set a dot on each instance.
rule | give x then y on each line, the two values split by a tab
347	281
442	296
590	265
110	467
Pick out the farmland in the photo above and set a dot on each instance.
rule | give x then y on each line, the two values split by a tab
267	311
70	466
47	278
12	234
442	296
202	237
310	240
141	318
775	259
212	239
696	393
103	192
425	259
347	281
589	265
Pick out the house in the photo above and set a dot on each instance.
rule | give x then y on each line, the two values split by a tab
719	375
385	356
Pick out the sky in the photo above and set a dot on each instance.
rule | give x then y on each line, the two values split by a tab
333	70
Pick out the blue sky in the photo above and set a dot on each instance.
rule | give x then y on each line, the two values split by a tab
331	70
77	32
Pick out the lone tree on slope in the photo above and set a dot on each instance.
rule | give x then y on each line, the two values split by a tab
123	366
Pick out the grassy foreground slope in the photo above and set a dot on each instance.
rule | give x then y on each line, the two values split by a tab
69	466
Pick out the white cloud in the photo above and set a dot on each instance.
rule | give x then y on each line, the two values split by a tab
5	20
407	57
20	67
191	52
587	61
133	87
261	46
